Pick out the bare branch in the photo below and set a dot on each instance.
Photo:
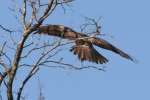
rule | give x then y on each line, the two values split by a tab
32	72
21	44
2	76
2	53
24	11
10	33
33	15
28	45
34	49
4	65
5	29
46	12
8	58
64	1
70	66
6	68
2	49
90	22
41	97
14	67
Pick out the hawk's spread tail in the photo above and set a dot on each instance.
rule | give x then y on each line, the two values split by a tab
87	53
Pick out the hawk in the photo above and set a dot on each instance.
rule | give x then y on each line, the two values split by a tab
84	44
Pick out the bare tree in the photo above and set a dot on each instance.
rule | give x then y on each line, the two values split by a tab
23	49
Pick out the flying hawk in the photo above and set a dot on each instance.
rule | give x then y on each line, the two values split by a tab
84	44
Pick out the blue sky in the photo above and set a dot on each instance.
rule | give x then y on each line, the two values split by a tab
128	21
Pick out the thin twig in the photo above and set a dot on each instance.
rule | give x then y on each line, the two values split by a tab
24	11
70	66
5	29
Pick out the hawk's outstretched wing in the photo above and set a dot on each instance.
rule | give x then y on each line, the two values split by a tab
106	45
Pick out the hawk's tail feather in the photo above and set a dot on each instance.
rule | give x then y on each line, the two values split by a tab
86	53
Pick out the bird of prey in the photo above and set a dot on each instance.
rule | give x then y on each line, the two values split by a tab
84	44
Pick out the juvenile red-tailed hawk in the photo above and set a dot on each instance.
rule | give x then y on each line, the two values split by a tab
83	43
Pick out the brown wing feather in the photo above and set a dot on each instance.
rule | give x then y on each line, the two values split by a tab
106	45
60	31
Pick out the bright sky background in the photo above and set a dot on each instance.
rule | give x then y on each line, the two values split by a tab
129	22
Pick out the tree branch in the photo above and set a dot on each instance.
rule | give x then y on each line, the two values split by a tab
15	65
5	29
46	12
24	11
70	66
20	46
